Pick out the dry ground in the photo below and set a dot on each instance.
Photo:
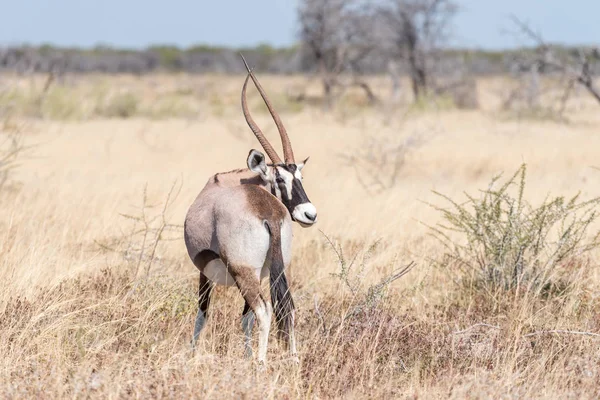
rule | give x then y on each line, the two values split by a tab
75	322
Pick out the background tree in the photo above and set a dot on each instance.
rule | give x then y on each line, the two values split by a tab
336	38
578	64
414	31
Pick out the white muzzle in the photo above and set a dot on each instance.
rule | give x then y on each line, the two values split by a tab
305	214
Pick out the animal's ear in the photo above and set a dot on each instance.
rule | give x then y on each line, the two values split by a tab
302	164
256	162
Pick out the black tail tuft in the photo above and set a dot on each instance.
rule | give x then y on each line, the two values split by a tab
281	298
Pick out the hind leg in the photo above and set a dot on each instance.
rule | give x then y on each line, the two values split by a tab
246	279
285	313
204	291
292	339
248	319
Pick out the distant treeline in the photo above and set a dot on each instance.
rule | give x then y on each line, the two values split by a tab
208	59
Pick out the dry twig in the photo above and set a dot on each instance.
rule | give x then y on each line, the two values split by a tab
481	324
561	332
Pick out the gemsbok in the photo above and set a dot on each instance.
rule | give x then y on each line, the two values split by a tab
239	230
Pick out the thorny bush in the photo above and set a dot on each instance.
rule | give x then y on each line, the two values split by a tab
507	244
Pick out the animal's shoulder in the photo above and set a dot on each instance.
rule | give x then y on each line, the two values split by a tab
263	203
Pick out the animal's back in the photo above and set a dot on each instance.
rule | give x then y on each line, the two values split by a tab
230	221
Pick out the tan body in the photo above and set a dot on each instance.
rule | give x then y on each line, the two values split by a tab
239	230
233	230
228	218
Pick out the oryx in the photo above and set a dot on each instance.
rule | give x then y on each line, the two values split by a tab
239	230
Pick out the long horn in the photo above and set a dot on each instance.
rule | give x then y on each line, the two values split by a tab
288	154
259	135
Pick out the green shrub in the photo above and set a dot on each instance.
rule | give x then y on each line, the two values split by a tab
507	244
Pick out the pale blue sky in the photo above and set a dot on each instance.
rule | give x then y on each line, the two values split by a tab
138	23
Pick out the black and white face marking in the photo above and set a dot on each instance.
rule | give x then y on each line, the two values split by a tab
287	187
285	182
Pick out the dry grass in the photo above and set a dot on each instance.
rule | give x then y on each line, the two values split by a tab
78	320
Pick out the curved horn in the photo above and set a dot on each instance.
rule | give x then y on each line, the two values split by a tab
259	135
288	154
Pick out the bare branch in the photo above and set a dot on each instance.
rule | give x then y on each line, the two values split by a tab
481	324
336	37
414	31
319	314
577	68
561	332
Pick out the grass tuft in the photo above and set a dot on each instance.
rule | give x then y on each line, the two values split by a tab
122	105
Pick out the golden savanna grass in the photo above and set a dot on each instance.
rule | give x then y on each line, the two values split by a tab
85	313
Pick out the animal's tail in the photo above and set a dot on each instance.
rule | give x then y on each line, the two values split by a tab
281	298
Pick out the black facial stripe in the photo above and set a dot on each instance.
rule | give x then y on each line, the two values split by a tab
298	194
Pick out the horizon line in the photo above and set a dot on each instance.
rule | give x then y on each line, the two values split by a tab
108	46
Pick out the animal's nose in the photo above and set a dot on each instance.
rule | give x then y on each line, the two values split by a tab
310	216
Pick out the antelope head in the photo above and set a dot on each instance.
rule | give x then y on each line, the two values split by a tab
282	178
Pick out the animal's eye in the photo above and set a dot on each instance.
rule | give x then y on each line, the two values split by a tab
279	180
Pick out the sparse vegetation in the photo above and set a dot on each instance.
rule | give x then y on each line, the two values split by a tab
12	147
77	321
148	228
379	160
463	94
121	105
9	152
508	245
352	274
